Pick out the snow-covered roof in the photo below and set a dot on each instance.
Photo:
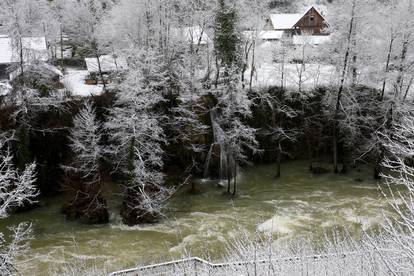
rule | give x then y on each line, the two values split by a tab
41	68
193	34
285	21
34	48
311	39
289	20
108	63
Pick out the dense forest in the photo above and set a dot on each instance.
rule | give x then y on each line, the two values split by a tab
191	106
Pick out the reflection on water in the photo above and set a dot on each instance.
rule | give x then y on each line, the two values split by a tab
298	204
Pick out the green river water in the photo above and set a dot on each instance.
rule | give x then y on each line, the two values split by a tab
298	204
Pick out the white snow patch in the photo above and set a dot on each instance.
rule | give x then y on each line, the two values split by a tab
312	75
5	88
74	82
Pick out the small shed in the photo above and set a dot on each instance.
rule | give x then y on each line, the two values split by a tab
34	49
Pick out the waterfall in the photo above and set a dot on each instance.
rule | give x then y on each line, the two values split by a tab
219	140
207	163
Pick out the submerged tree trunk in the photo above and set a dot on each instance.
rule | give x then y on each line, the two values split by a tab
279	158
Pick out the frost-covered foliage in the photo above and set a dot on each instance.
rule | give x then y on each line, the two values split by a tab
137	138
81	19
14	246
16	188
400	164
85	141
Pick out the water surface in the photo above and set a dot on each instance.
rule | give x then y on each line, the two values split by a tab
298	204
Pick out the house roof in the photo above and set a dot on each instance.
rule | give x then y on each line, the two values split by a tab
193	34
289	20
285	21
41	68
34	48
108	64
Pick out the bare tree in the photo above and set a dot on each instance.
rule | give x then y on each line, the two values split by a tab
16	189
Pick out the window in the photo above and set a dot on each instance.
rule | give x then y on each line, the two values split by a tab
312	21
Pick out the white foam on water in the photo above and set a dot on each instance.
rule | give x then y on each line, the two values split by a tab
276	202
367	187
185	243
277	224
366	221
320	194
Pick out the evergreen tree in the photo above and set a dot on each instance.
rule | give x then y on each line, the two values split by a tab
226	37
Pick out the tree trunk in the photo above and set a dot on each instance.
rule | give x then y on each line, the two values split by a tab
335	148
61	50
100	72
410	83
400	78
387	66
21	56
217	72
279	158
247	48
253	67
378	167
341	88
235	179
228	173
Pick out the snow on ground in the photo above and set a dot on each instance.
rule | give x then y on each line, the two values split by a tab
74	82
308	77
5	88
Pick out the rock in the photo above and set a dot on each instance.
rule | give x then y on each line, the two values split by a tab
319	170
88	210
134	216
194	189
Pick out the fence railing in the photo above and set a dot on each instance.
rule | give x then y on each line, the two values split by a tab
362	261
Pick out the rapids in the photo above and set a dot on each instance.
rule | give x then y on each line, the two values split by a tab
297	204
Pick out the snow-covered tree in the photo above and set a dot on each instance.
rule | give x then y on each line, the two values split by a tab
85	141
84	171
16	189
137	138
400	163
14	246
230	116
